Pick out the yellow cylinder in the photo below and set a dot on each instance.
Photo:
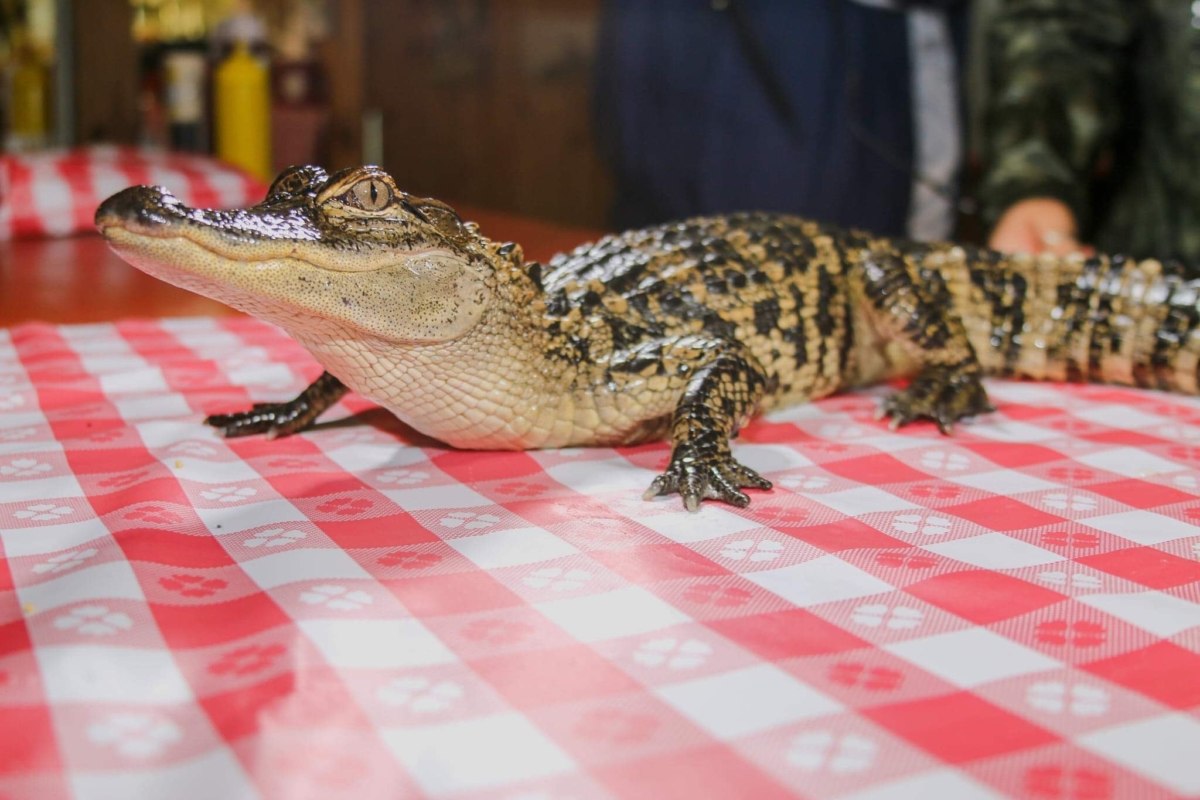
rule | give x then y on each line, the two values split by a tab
242	97
28	101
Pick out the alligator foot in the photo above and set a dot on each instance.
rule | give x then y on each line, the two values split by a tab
273	419
942	394
281	419
696	478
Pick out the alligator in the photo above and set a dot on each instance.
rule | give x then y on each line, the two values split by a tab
683	330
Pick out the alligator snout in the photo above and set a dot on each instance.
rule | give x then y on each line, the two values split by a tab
139	207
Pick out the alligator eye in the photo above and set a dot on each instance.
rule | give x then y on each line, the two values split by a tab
369	194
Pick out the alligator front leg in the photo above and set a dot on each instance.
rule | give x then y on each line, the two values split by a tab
725	386
280	419
911	303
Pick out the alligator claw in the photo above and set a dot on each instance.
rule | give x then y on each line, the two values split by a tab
717	477
941	394
273	419
281	419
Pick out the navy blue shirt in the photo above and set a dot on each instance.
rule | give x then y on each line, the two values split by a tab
801	106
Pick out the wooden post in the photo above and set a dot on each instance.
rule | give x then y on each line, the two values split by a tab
105	71
343	55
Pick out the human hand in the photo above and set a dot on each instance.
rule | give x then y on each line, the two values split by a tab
1038	225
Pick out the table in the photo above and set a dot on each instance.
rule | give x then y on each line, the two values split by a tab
360	611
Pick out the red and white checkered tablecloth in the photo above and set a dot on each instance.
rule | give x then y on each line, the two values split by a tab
56	192
361	612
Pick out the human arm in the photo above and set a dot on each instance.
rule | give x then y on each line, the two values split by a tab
1055	70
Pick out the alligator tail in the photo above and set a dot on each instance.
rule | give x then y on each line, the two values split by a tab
1105	319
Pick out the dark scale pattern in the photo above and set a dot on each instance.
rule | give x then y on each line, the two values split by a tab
1178	324
1000	297
683	330
1074	300
1101	272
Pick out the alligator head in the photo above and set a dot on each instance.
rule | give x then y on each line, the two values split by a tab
321	252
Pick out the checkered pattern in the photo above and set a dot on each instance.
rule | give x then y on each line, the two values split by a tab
359	612
56	192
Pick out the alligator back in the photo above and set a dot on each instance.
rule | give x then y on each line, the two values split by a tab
793	292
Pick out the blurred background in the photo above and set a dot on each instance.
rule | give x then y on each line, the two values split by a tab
479	101
484	102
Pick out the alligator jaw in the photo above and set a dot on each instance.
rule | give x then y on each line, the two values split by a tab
270	231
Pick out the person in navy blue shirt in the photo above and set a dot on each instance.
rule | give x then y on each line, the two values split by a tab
846	111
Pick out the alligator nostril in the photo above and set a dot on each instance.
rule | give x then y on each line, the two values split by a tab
143	205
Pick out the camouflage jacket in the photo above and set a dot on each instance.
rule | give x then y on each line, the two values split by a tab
1097	102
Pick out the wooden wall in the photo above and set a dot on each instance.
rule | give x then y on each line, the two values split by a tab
488	102
105	72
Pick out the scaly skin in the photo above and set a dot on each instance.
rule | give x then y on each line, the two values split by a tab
683	330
